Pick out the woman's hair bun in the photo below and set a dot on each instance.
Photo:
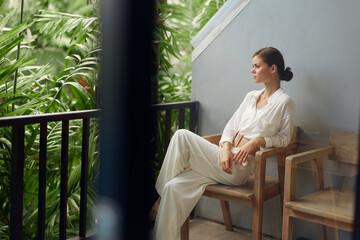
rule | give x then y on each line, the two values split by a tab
287	74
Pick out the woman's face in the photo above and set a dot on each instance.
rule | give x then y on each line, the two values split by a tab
262	73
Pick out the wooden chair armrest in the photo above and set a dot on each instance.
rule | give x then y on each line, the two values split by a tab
214	138
309	155
291	168
274	151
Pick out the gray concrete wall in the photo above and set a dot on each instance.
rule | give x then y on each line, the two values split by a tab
320	42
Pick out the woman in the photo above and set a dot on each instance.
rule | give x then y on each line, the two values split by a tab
264	119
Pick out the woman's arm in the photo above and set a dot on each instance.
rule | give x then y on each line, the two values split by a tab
231	127
283	136
226	157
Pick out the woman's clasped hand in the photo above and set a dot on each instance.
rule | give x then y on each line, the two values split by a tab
228	159
242	155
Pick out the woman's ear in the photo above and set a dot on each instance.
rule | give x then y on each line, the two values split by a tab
273	68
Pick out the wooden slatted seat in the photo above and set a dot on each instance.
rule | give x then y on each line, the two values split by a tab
243	194
258	189
333	206
326	206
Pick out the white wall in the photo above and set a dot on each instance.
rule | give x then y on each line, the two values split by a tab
319	40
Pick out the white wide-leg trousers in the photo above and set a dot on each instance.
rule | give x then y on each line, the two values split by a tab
181	189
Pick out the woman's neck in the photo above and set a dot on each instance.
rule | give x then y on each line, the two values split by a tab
270	88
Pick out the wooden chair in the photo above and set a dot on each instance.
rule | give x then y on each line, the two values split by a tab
326	206
258	189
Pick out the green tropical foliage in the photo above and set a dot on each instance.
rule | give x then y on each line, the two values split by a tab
57	70
178	22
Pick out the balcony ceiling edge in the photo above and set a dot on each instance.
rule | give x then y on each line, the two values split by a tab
216	25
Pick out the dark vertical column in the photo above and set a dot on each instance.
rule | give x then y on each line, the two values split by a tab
64	178
84	176
156	61
125	171
17	184
42	181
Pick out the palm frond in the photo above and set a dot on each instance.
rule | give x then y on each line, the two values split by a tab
6	18
58	24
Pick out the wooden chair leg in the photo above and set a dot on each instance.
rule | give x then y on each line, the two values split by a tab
287	226
226	213
281	172
185	229
321	232
257	219
330	233
258	202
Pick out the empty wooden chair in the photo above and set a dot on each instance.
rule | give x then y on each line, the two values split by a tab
326	206
258	189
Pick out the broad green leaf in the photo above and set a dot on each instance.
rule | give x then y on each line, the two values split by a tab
7	48
11	100
13	32
12	68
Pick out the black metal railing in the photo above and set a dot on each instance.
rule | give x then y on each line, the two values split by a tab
17	160
17	169
181	107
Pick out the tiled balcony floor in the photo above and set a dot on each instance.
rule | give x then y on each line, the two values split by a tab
201	229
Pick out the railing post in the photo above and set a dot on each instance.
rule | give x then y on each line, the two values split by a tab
181	118
64	178
84	176
42	181
194	118
167	128
17	184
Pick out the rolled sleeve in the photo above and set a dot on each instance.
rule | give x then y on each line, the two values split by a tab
225	139
228	133
268	142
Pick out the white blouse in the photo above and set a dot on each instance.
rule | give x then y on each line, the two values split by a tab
274	122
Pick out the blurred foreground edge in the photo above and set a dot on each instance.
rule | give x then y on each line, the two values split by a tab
126	123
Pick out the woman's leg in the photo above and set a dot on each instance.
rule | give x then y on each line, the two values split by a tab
179	197
180	190
188	149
